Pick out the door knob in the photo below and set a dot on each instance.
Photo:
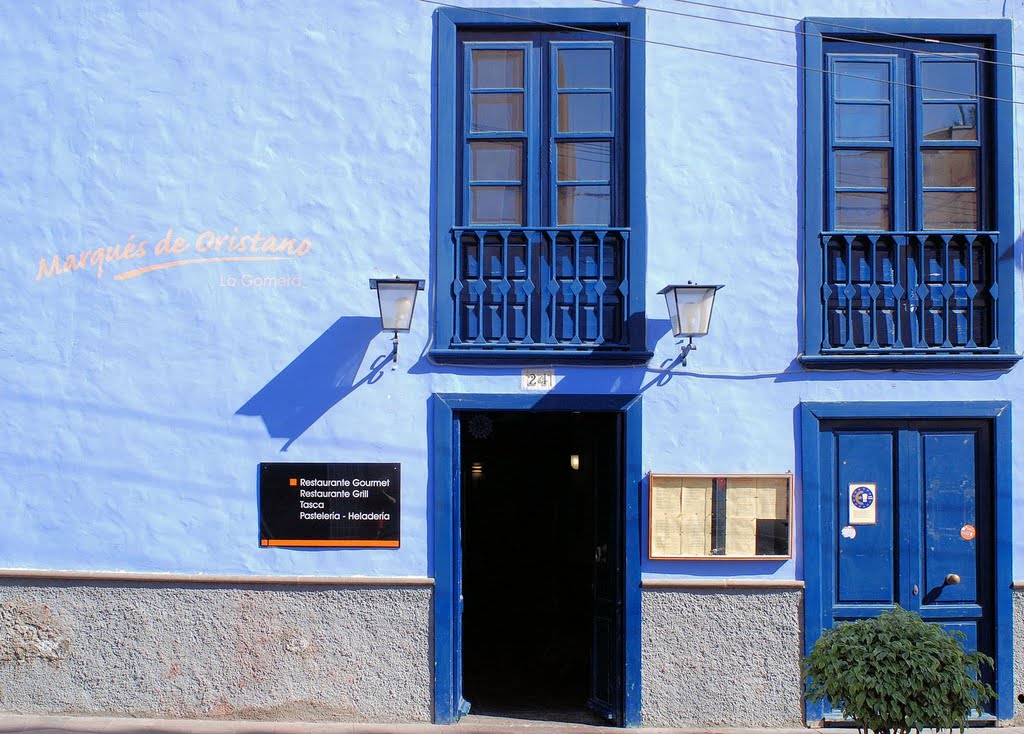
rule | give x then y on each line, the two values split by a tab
952	579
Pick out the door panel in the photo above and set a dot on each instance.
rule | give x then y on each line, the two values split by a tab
933	522
949	507
462	706
867	563
969	630
607	643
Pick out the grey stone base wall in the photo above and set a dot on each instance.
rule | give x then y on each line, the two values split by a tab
1018	653
258	652
722	657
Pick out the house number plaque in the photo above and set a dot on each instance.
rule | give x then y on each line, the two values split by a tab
541	380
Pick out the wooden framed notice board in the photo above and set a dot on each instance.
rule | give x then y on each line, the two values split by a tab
727	516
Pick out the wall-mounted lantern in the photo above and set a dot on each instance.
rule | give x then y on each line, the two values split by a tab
396	298
689	308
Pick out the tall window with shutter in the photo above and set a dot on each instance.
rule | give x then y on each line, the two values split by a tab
907	198
540	245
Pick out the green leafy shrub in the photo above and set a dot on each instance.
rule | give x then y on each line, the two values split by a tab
896	673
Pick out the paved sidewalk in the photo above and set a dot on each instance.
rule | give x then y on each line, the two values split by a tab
468	725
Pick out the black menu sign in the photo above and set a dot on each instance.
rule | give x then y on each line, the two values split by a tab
330	505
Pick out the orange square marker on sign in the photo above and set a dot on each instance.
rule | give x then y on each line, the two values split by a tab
293	482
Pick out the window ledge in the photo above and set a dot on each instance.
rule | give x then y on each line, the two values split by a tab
505	356
909	361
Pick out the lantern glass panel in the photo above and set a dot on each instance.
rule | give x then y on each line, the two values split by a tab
397	301
690	310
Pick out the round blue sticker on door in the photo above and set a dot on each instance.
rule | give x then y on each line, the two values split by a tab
862	497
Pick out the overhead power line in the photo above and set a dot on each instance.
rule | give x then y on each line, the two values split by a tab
725	54
856	41
889	34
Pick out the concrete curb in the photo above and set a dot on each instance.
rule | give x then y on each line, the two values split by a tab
10	723
469	725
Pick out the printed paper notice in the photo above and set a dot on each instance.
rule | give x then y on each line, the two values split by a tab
680	518
666	523
666	501
666	536
742	499
863	503
741	537
697	500
696	519
695	536
772	499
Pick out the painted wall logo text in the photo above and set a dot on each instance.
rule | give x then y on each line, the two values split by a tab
209	245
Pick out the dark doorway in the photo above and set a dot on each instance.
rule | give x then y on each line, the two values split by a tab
538	493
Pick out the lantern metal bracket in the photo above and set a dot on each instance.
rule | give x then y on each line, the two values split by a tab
685	349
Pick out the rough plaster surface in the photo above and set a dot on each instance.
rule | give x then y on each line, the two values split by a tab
722	658
271	653
1018	655
139	408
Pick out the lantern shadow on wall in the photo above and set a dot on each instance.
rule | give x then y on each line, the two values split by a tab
318	379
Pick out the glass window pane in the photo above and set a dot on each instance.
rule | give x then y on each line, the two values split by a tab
862	168
950	210
584	113
496	204
584	161
492	161
497	68
949	79
861	80
862	211
951	121
950	168
862	122
498	112
584	68
584	205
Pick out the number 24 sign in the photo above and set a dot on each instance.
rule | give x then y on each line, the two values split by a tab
534	379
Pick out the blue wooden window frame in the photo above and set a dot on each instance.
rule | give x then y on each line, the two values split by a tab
818	186
612	135
893	144
817	527
527	164
627	180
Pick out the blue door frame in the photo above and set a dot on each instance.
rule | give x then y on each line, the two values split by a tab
446	546
817	601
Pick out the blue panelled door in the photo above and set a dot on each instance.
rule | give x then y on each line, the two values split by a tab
607	662
908	519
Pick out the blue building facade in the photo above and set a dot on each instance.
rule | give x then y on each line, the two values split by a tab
195	198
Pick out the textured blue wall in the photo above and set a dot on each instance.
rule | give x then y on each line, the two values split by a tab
137	405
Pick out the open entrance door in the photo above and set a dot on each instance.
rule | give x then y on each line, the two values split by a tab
541	512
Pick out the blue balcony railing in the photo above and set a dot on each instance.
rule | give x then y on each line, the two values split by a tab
912	293
561	290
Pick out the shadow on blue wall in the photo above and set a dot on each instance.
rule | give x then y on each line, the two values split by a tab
575	378
318	379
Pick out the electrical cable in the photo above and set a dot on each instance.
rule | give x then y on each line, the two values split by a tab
799	67
858	42
888	34
1017	182
783	64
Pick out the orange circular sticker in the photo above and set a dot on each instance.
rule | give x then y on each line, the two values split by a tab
967	532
